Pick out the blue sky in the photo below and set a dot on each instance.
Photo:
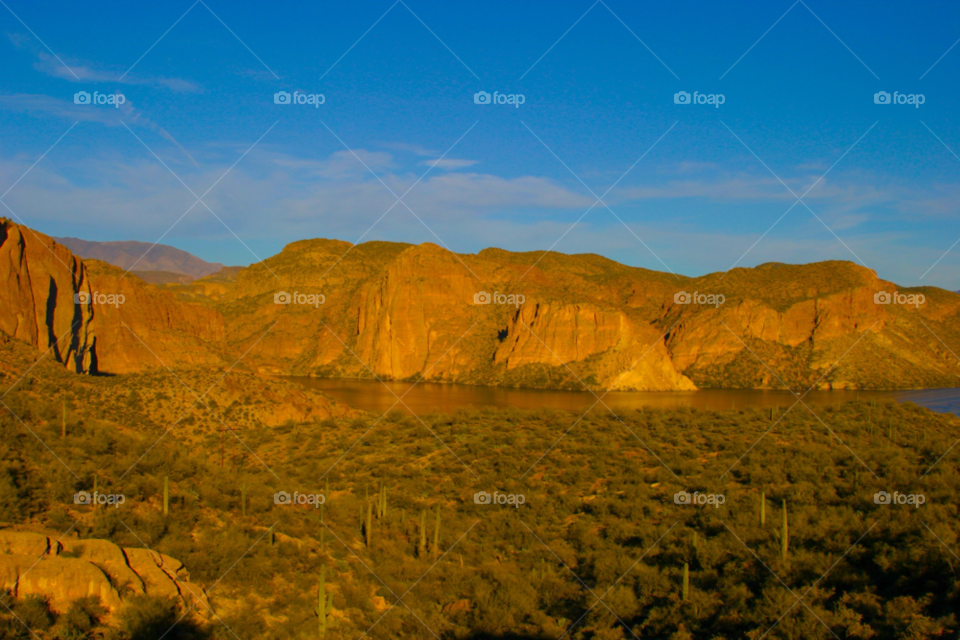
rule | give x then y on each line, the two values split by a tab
695	187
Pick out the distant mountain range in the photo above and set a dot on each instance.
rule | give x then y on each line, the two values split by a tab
142	256
397	311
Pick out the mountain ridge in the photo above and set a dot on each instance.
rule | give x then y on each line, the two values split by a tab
408	312
142	256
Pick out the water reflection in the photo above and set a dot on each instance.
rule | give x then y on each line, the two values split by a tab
425	397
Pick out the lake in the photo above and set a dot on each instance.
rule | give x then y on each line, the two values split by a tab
377	397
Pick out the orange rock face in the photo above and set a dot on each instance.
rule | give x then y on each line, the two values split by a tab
90	317
408	319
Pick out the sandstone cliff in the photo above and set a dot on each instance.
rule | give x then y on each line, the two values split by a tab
65	570
126	325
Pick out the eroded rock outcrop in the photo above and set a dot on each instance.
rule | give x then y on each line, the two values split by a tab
628	356
33	563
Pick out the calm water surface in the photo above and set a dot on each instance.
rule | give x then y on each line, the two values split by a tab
426	397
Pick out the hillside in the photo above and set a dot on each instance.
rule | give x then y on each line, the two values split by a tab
404	312
598	548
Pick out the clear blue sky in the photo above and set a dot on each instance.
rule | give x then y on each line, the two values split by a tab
598	80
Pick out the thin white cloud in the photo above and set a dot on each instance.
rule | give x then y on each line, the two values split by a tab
82	71
50	66
106	115
448	164
415	149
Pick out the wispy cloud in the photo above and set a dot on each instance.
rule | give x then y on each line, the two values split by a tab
448	164
84	71
108	116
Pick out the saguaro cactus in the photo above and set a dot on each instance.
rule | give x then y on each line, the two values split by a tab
324	602
166	495
763	508
369	528
686	581
422	547
784	534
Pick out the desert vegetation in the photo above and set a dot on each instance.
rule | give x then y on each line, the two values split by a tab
599	548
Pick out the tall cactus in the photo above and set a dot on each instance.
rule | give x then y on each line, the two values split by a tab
369	528
436	535
686	581
321	609
763	508
784	534
166	495
422	547
324	602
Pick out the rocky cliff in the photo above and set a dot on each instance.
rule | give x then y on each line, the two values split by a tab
67	569
396	311
91	317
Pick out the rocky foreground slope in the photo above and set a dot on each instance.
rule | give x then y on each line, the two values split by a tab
398	311
63	569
